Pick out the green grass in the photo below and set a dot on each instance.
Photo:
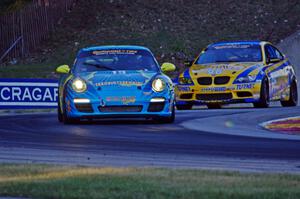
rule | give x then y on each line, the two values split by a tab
28	71
42	181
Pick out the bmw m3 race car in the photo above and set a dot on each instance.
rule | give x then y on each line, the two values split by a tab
237	72
115	81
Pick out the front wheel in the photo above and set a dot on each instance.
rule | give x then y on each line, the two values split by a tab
68	120
293	97
59	115
170	119
264	100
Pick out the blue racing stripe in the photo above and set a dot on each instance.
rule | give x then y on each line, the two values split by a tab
246	72
186	74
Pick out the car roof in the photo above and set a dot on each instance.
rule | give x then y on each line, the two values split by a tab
114	47
246	42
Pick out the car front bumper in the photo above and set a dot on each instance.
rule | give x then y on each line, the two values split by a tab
237	93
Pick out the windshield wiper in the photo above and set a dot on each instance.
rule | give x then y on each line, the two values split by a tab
97	65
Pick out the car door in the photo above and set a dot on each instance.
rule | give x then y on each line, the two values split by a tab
283	74
285	70
274	71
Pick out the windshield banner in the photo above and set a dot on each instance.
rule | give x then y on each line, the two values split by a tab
28	93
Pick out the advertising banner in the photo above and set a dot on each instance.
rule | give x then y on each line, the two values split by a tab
28	93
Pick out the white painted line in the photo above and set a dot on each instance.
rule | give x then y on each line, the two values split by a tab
28	103
28	84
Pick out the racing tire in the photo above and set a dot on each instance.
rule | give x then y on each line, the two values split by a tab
184	107
68	120
264	101
59	113
167	120
214	106
293	97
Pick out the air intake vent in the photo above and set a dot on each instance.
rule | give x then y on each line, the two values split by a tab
221	80
204	80
214	97
118	109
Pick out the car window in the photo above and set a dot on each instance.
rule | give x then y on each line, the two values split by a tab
270	52
115	59
231	53
278	54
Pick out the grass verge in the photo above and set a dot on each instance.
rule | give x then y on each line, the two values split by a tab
44	181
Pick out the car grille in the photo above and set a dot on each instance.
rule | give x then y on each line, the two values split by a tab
214	97
217	80
156	106
186	96
117	109
204	80
221	80
244	94
84	108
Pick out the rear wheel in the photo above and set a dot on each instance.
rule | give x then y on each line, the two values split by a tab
293	97
184	107
264	100
214	106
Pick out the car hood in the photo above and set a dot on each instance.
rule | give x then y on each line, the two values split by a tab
118	79
231	69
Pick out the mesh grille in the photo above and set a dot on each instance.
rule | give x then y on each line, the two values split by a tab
214	97
112	109
156	107
85	108
221	80
244	94
186	96
204	80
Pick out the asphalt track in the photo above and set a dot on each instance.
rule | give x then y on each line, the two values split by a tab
228	139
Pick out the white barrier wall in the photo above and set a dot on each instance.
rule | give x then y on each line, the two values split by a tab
291	47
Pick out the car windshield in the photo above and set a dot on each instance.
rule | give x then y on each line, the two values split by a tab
119	59
231	53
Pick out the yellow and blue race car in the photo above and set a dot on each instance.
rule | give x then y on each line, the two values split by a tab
237	72
115	81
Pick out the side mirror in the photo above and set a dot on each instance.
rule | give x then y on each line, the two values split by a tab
63	69
168	67
188	63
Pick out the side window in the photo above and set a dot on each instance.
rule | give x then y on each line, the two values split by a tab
278	54
270	53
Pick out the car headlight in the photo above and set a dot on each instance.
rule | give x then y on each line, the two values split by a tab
184	80
79	85
158	85
246	79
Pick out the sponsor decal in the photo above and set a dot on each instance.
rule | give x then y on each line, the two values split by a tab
124	99
217	89
218	69
233	46
28	93
109	52
120	83
214	71
244	86
183	88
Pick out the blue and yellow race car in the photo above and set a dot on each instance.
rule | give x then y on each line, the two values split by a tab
115	81
237	72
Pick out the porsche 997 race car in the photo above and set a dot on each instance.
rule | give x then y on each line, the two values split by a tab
115	81
237	72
